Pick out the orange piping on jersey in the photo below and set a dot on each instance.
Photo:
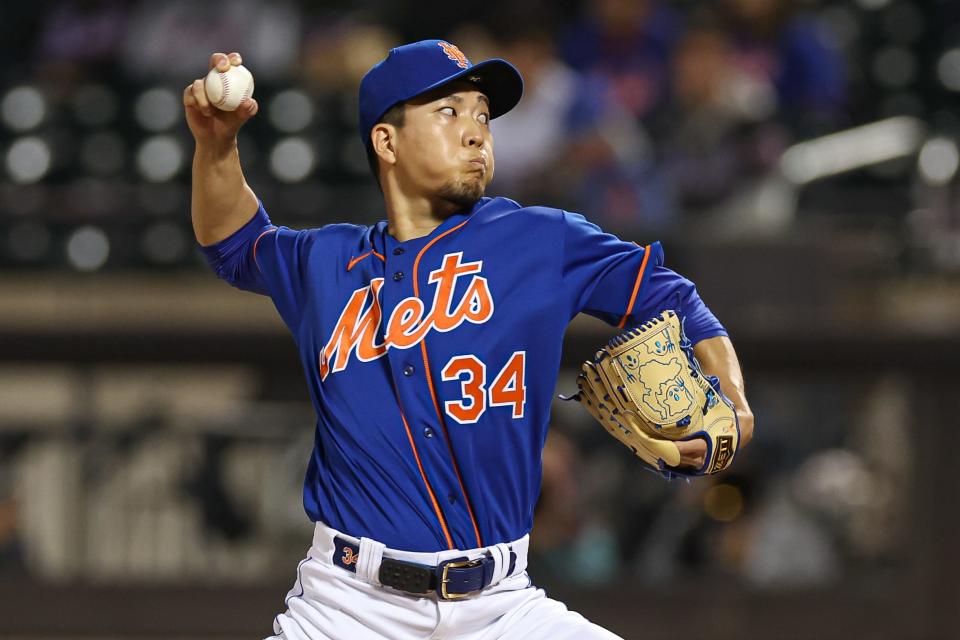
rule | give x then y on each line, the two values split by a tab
433	393
433	497
636	287
257	242
353	262
357	259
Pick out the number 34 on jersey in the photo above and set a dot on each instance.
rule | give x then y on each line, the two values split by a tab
410	322
507	389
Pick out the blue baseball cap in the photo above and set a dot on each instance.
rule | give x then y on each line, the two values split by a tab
416	68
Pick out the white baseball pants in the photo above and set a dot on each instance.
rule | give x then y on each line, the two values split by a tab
328	602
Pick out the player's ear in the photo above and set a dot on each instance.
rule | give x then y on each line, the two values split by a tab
383	138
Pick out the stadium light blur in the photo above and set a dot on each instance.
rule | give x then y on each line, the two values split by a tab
28	160
852	149
723	502
164	243
906	103
94	105
23	108
904	23
102	153
948	69
157	109
291	111
25	200
872	5
840	24
895	67
88	249
28	241
162	198
160	158
292	159
938	161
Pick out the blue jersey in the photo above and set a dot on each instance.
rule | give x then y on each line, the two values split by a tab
432	363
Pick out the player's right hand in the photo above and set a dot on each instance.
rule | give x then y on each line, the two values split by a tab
208	124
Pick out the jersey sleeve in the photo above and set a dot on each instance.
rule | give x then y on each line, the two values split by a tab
266	259
625	284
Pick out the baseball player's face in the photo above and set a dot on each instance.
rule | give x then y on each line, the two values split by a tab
444	147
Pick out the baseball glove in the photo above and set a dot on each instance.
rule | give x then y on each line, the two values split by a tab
646	388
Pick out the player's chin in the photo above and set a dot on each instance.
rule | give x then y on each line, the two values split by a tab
464	192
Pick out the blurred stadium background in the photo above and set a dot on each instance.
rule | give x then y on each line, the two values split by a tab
797	158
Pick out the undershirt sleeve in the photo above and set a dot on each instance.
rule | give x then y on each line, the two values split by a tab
266	259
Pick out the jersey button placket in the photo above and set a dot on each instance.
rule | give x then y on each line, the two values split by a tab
414	394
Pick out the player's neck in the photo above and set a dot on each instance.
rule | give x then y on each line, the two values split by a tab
410	217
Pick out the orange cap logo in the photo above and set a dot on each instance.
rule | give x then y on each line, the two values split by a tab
455	54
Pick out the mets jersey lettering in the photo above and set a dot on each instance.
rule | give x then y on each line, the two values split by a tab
359	324
432	363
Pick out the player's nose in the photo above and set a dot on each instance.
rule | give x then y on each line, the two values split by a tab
472	135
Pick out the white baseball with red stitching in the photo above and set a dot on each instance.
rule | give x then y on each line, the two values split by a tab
227	90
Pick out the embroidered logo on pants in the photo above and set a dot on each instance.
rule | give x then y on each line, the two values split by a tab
345	554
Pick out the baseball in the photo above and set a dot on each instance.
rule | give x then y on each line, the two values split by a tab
226	90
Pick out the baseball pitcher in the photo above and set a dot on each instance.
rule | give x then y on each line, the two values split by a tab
431	345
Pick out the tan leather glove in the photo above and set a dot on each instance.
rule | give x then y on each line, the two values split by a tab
646	388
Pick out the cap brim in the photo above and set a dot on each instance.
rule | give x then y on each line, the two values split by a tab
496	78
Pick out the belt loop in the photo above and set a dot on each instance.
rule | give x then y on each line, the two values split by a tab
501	561
371	555
520	548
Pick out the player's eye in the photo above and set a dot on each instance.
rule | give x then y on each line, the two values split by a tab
484	118
450	111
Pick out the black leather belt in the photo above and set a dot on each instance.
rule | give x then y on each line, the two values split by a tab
451	579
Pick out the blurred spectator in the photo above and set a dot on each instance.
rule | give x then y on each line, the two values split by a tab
628	44
89	31
717	138
174	40
11	552
739	524
534	135
569	542
477	41
781	543
79	40
338	49
773	45
571	142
